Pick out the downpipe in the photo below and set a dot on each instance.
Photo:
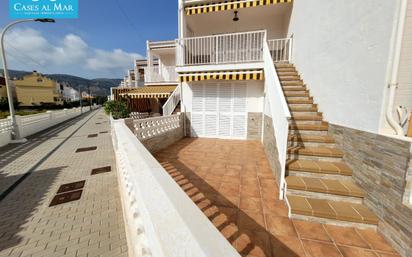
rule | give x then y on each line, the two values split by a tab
393	85
389	113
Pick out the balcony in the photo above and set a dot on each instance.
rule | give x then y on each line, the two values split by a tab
164	74
234	48
231	48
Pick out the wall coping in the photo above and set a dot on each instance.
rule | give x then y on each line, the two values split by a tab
161	220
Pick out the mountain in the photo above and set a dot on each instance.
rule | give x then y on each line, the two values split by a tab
98	86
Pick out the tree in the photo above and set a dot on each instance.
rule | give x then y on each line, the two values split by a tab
118	109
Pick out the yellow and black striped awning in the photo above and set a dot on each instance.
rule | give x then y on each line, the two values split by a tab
222	75
230	5
150	92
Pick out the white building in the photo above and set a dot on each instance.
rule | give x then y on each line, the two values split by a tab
69	93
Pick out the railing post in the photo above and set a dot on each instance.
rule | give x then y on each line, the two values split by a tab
290	49
217	50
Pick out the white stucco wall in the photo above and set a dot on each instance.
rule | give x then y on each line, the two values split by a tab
254	96
341	49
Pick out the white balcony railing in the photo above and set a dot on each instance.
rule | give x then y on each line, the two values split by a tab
221	49
172	102
160	74
281	49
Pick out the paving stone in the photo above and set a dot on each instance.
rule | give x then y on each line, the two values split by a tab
30	227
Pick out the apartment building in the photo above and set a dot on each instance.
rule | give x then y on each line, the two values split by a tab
35	89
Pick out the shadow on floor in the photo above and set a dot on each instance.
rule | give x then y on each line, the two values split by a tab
22	204
248	236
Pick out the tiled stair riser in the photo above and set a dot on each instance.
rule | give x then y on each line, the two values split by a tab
326	196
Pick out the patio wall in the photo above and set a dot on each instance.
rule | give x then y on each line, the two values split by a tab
382	166
160	219
159	132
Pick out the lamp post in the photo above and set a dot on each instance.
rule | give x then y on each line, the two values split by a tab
15	130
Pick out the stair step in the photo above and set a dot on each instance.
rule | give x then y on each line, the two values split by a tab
284	65
332	210
316	151
290	78
288	73
312	108
311	138
299	101
291	83
326	186
294	88
313	127
307	117
296	94
322	167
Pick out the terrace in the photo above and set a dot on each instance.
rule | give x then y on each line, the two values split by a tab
207	186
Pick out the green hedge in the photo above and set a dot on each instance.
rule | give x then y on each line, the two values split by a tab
118	109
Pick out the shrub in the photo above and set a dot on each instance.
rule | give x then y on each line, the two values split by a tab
118	109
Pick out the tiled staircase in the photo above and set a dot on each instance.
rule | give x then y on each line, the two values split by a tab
319	182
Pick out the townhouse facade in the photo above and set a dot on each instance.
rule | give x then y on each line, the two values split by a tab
325	87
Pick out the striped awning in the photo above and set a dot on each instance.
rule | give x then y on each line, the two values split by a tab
230	5
150	92
222	75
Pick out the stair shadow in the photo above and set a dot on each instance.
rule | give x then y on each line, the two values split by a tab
250	238
18	209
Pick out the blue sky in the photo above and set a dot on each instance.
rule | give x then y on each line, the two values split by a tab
102	42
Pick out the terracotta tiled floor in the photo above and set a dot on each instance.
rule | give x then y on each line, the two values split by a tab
232	184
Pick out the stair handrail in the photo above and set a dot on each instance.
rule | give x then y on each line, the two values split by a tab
172	102
280	113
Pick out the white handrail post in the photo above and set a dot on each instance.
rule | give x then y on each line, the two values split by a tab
290	49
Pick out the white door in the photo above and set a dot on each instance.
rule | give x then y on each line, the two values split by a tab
219	110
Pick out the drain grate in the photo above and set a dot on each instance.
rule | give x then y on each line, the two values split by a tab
104	132
66	197
86	149
98	123
71	186
92	135
101	170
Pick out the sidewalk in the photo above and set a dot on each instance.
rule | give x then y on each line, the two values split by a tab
90	226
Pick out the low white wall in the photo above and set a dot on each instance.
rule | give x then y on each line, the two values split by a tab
342	50
5	132
161	220
32	124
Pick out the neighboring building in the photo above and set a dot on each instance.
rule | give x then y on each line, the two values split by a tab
69	93
3	89
35	89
